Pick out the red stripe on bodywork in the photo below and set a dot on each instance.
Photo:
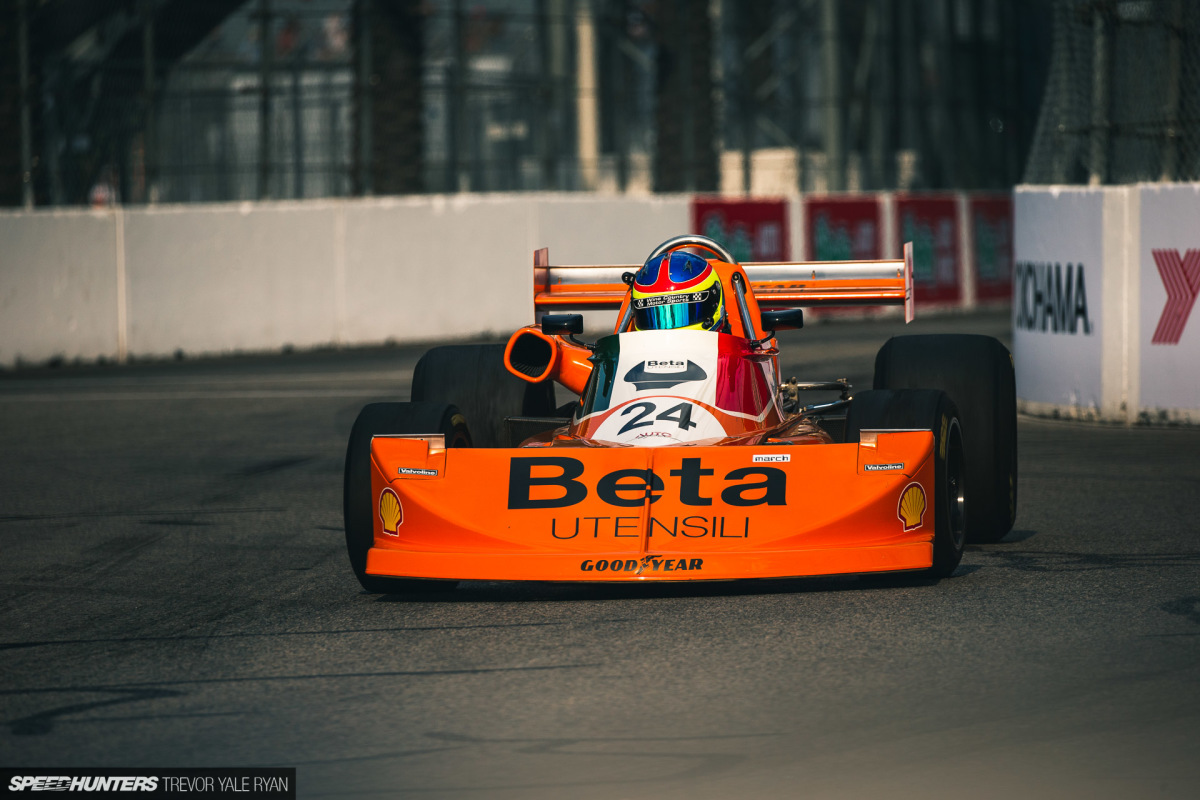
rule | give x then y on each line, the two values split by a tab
741	384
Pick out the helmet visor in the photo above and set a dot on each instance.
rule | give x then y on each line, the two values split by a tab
668	312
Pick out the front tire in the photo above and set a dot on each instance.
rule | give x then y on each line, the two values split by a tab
358	504
933	410
473	378
977	373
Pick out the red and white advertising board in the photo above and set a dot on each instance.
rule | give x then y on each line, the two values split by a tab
753	230
843	228
930	222
991	220
1169	281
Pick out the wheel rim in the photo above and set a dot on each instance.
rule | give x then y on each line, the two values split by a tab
955	488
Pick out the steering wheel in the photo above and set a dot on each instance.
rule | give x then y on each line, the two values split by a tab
676	242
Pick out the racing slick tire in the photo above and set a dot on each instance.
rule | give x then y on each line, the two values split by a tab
358	506
473	377
977	373
928	409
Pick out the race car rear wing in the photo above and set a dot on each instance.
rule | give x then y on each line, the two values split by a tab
776	285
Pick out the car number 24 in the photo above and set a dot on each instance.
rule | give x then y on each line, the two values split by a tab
666	419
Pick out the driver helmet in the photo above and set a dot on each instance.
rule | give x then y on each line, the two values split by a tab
677	291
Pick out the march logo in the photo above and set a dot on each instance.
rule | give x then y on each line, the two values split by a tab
1181	278
664	374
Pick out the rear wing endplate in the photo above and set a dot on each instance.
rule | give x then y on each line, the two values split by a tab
776	285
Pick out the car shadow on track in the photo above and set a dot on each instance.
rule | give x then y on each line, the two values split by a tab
492	591
511	591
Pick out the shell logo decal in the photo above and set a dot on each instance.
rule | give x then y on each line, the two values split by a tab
911	509
390	512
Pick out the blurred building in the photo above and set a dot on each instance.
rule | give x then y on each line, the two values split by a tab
155	101
1122	101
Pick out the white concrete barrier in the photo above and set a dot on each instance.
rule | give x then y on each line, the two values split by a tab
59	286
221	278
1104	284
209	279
435	268
593	229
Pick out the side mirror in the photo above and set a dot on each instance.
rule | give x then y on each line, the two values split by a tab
790	319
559	324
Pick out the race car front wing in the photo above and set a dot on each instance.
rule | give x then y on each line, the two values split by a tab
638	514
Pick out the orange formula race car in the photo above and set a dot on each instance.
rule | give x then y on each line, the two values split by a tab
684	456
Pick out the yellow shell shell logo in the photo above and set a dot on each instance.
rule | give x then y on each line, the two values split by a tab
912	506
390	511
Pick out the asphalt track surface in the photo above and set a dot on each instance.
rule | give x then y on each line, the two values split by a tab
174	591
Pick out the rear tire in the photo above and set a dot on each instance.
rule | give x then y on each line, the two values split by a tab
474	378
977	373
358	504
928	409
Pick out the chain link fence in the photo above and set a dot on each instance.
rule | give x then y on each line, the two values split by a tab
220	136
164	101
1122	100
256	106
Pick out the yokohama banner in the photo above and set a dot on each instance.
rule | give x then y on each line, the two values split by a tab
1169	277
753	230
1057	299
930	222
